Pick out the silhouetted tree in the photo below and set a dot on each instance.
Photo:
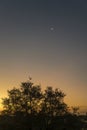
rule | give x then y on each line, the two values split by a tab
29	107
53	103
25	99
12	102
31	97
75	110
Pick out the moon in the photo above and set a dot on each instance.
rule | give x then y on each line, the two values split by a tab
51	28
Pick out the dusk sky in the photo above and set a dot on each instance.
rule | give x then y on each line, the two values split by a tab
47	40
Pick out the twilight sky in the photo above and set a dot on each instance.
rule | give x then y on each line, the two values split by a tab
46	39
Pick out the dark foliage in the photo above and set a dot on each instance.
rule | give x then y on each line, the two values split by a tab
28	108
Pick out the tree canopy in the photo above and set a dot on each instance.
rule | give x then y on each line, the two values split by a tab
30	99
28	108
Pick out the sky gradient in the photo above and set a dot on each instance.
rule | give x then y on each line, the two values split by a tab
47	40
